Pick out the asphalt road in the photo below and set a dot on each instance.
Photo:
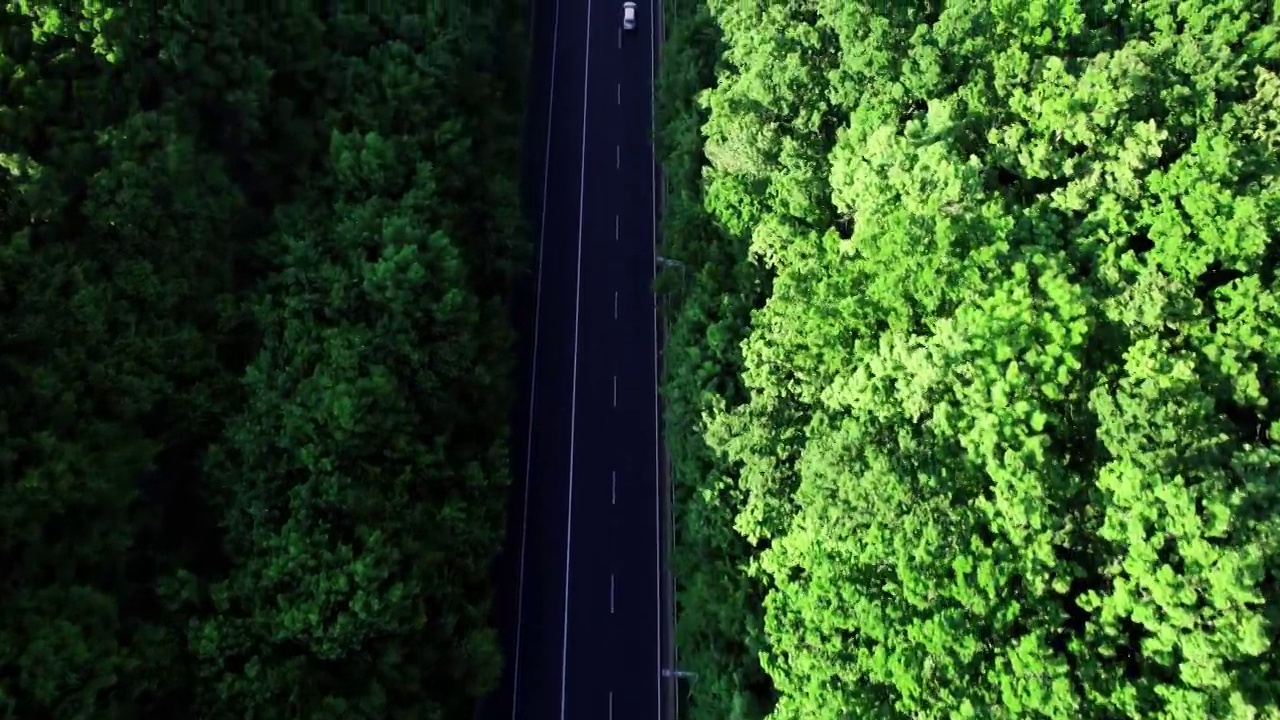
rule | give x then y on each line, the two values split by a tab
585	631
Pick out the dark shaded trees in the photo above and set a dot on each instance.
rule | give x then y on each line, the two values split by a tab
253	359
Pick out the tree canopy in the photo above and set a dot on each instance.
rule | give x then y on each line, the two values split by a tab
255	356
973	388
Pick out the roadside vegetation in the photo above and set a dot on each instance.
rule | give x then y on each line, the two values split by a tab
972	383
255	356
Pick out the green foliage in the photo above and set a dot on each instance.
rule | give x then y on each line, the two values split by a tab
254	359
1007	446
709	308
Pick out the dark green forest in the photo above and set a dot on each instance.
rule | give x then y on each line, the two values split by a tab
255	355
972	378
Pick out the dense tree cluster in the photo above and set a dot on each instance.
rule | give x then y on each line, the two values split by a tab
973	385
712	299
254	355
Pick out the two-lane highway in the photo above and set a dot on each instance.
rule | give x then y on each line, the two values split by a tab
587	639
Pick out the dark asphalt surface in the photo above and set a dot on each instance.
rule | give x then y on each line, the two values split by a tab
581	607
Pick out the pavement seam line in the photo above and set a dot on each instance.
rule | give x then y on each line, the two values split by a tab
573	400
533	372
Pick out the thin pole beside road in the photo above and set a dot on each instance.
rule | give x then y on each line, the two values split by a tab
659	25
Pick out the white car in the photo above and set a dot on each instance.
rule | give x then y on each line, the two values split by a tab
628	16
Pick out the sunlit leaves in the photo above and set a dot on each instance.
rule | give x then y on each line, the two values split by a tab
1009	445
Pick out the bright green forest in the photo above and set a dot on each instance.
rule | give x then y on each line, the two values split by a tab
255	356
973	368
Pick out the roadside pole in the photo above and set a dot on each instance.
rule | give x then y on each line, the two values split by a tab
668	578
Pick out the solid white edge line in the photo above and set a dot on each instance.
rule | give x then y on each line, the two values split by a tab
533	372
573	407
657	472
